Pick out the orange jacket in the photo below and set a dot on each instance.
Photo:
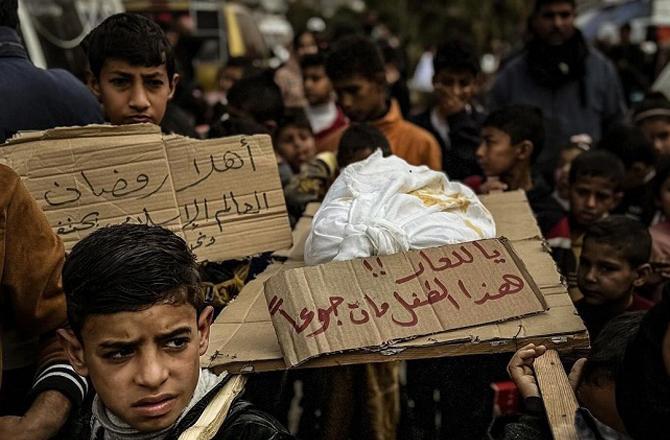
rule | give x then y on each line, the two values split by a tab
31	258
408	141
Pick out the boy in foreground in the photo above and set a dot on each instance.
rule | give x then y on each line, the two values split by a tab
133	69
138	329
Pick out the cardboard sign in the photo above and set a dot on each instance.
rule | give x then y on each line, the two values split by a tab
378	301
223	196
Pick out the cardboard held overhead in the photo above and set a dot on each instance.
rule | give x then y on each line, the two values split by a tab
372	302
223	196
243	337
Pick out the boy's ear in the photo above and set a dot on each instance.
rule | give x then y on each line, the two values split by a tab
643	272
525	150
173	84
74	350
204	323
93	85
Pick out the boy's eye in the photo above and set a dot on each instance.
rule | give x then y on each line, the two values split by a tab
155	82
177	343
118	355
118	81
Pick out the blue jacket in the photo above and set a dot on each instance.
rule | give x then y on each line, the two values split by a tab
36	99
564	114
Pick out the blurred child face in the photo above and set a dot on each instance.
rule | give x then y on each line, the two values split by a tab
496	154
296	146
317	85
145	364
229	76
361	99
133	94
604	275
306	45
592	198
562	174
454	90
657	130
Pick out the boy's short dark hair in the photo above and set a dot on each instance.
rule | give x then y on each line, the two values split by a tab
355	55
598	163
629	144
609	349
131	38
9	13
313	60
520	123
360	136
259	97
653	106
127	268
294	117
457	56
627	236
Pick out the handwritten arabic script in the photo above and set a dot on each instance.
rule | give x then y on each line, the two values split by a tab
401	296
207	191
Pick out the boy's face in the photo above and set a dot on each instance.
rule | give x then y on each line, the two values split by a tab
657	130
605	275
453	89
144	365
229	76
496	154
296	146
318	88
592	198
133	94
361	99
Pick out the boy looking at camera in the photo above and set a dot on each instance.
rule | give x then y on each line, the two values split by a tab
133	69
138	329
454	120
613	265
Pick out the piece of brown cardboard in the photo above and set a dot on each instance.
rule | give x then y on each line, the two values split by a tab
377	301
243	336
222	195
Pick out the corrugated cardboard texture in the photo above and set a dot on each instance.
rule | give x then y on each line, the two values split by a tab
222	195
243	337
377	301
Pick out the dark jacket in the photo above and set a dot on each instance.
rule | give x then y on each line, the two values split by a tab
243	421
588	104
458	155
38	99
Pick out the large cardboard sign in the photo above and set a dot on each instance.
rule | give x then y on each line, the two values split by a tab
222	195
378	301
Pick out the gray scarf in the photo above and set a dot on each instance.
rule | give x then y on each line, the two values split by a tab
116	429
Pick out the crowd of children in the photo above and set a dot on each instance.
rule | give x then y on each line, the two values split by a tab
137	325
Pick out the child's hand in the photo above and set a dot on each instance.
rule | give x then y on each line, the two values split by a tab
520	369
492	185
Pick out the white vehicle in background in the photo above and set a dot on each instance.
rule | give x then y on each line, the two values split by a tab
53	29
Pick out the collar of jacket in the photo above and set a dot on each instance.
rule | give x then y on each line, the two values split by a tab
10	43
390	118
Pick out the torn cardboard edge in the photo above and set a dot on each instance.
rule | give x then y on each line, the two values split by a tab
288	291
223	196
